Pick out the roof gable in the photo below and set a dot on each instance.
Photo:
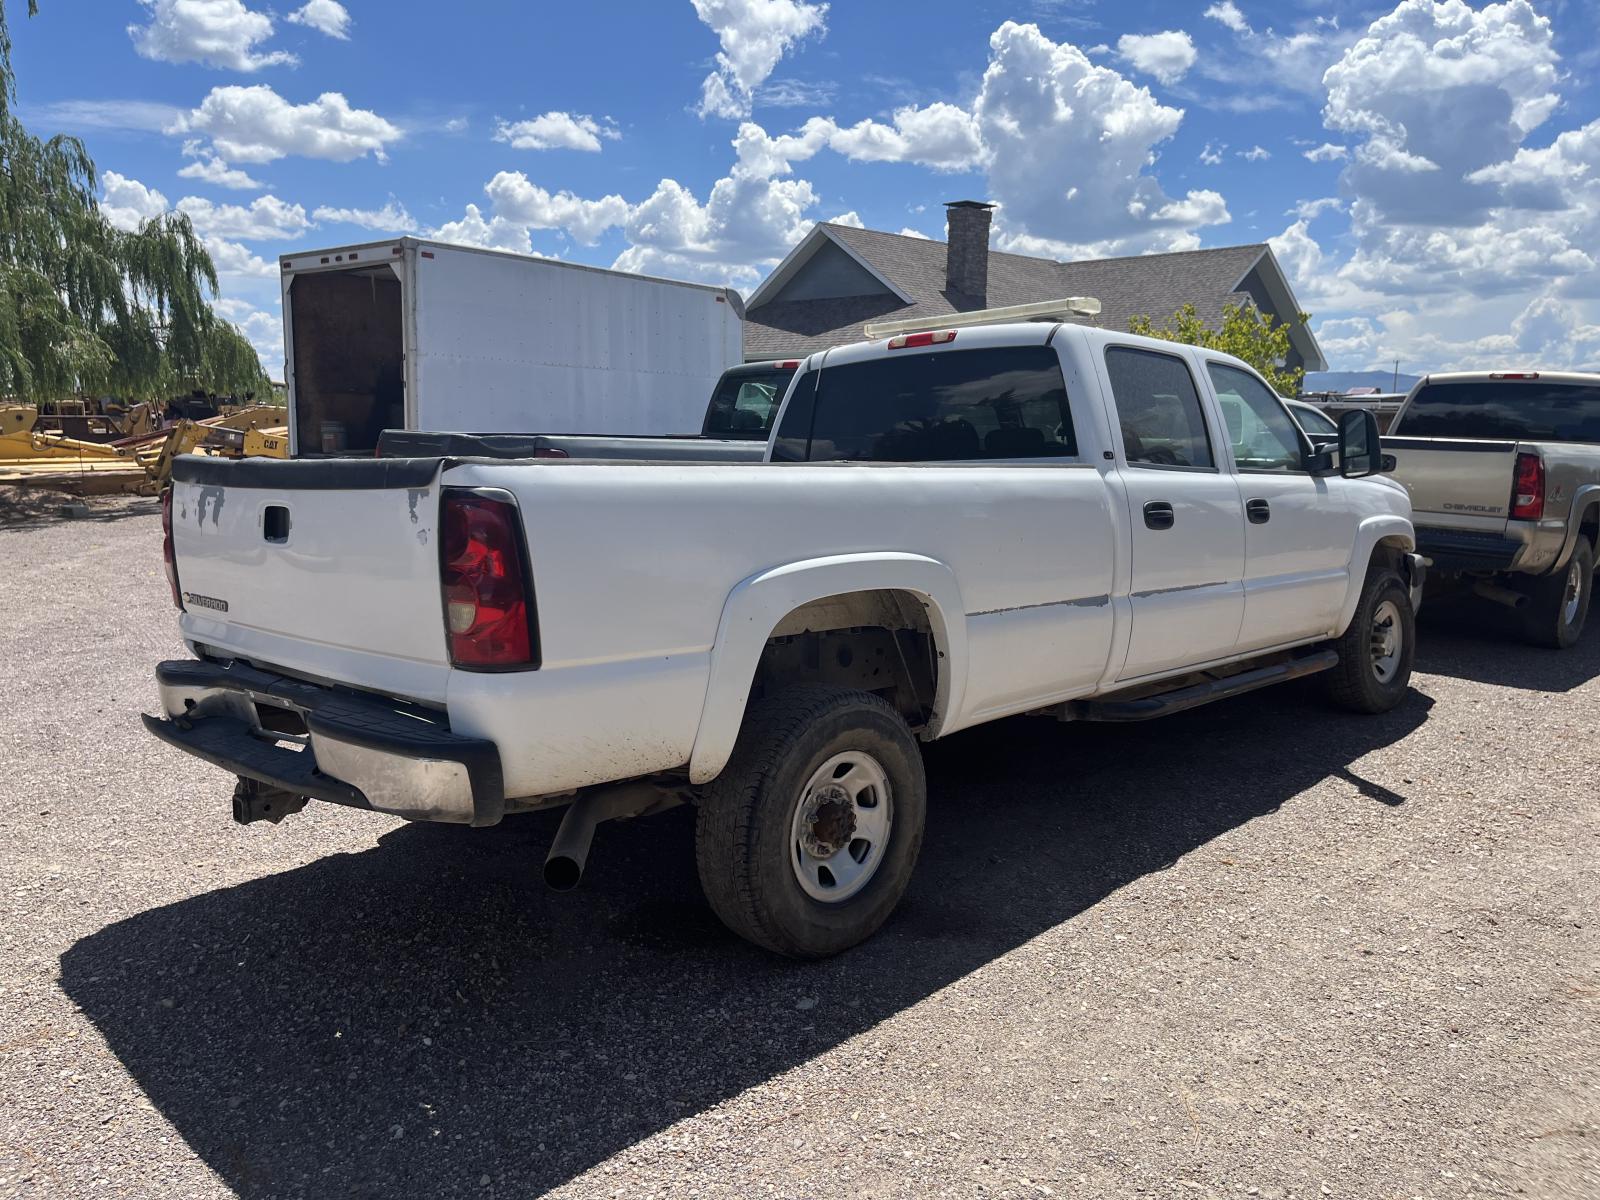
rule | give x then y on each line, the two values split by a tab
912	270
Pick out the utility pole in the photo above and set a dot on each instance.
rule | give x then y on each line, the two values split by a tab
1395	386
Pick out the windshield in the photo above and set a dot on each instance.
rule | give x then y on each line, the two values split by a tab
745	403
1528	411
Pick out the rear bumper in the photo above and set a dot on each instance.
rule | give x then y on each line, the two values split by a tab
359	750
1525	546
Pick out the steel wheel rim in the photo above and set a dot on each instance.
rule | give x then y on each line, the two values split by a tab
1569	610
839	835
1386	641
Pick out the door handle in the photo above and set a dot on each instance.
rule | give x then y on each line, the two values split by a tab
1158	515
1259	511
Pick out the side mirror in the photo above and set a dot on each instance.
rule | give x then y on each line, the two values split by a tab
1359	454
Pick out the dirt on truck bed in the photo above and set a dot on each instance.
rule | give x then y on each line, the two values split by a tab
1260	949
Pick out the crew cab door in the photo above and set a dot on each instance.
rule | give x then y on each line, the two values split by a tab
1185	514
1298	530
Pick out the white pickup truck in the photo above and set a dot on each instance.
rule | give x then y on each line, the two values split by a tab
952	526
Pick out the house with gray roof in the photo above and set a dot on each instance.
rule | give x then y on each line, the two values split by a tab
839	277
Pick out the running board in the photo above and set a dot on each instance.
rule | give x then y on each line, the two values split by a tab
1162	704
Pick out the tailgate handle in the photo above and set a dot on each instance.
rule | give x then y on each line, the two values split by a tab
275	523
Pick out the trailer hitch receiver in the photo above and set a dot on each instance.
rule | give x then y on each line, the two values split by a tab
257	801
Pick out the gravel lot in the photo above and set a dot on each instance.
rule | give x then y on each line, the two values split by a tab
1258	949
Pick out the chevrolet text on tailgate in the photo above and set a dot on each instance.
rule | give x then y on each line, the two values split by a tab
952	525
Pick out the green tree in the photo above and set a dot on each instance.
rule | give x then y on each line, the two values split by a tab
1246	333
86	307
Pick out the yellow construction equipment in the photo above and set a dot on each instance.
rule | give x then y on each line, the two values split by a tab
267	443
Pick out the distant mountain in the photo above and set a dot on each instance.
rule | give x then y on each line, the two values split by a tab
1339	381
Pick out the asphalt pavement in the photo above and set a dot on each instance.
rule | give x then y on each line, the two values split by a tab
1259	949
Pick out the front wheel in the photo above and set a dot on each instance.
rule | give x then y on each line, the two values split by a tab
806	840
1375	650
1558	604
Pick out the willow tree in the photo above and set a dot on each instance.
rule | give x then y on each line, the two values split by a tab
87	307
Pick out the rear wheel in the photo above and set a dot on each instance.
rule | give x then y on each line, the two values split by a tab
1376	648
806	840
1558	604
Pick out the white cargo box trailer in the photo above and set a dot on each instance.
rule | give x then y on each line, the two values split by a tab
425	335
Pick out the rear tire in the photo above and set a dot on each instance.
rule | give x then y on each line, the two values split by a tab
1376	648
806	840
1558	604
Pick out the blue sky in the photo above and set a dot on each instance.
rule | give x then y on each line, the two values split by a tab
1427	171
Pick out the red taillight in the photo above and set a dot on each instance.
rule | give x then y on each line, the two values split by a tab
483	583
788	364
910	341
1527	494
169	554
1513	374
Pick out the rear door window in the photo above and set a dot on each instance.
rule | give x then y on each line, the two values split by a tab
951	406
1533	410
1159	409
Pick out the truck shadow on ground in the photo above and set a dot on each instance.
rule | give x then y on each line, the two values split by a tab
1472	639
423	1018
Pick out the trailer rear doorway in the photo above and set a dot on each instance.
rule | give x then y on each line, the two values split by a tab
348	343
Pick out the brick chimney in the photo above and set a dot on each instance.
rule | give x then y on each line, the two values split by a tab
966	264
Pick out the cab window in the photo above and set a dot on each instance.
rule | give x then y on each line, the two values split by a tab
1264	435
1159	409
951	406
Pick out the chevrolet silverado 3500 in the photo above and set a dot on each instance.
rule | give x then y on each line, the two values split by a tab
952	526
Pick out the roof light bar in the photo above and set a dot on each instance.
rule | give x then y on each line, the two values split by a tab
1044	310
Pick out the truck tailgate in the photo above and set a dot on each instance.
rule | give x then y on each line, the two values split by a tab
328	568
1456	483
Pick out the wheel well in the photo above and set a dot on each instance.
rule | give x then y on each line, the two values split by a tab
1589	527
878	641
1386	554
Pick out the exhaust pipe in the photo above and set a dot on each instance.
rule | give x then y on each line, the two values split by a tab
569	850
1498	594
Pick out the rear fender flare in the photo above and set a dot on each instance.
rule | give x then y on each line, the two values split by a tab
756	606
1369	533
1586	495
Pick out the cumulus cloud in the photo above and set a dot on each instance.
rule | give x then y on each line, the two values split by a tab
489	233
208	168
215	33
1436	91
235	261
754	35
127	203
1255	154
1067	145
557	130
940	135
1328	152
256	125
1167	55
325	16
1211	156
264	218
391	218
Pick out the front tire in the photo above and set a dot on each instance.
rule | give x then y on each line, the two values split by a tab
1376	648
1558	604
806	840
